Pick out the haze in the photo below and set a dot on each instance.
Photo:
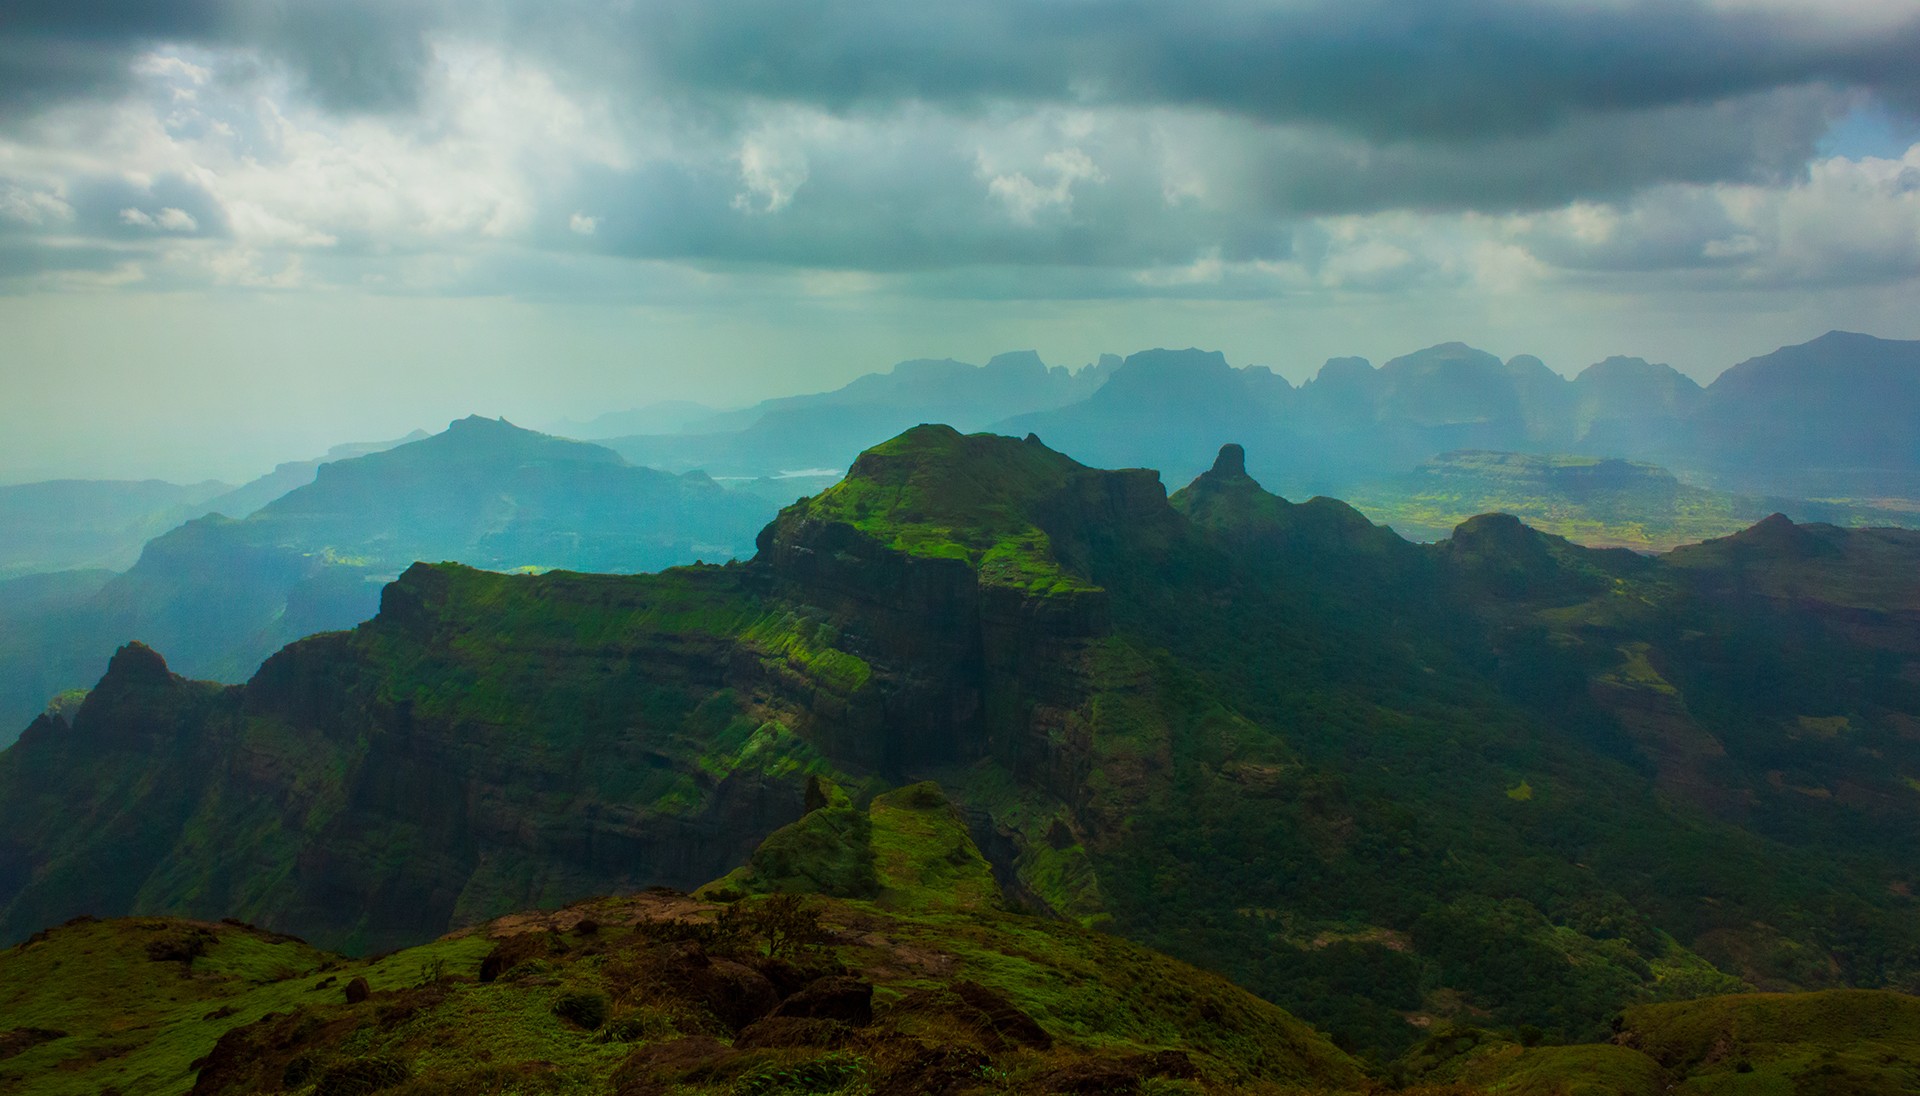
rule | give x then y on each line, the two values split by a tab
232	236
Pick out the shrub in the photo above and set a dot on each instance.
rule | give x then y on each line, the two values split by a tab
180	946
586	1010
826	1074
359	1076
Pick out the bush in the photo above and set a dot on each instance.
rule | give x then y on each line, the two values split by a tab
827	1074
638	1027
359	1076
586	1010
181	946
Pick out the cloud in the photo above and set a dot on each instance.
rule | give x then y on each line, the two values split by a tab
1232	147
167	220
1026	199
1849	222
1382	69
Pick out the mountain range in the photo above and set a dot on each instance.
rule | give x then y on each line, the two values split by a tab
1502	779
78	525
1831	418
222	594
1834	410
827	430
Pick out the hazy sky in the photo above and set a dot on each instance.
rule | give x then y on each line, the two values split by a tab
233	233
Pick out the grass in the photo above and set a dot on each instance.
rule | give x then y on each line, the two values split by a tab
135	1023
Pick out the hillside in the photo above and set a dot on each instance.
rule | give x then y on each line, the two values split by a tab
1503	779
863	950
656	992
243	500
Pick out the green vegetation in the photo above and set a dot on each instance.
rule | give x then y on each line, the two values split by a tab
1592	501
912	993
1505	782
1839	1041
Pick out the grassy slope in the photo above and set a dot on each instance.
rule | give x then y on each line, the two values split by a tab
138	1005
139	1023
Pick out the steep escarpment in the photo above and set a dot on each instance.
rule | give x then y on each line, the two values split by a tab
493	741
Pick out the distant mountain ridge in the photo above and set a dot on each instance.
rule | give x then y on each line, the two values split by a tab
1831	418
221	594
828	429
63	525
1835	417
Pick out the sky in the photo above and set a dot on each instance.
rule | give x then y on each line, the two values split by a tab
235	233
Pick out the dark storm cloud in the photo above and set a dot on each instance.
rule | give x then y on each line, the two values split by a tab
350	55
916	139
52	50
1762	138
1384	69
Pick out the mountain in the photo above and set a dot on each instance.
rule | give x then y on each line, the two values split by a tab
1351	424
1838	416
70	525
825	431
221	595
1832	420
79	525
242	501
1504	779
1354	423
1165	409
1628	406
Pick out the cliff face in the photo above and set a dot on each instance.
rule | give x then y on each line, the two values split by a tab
1224	723
489	742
